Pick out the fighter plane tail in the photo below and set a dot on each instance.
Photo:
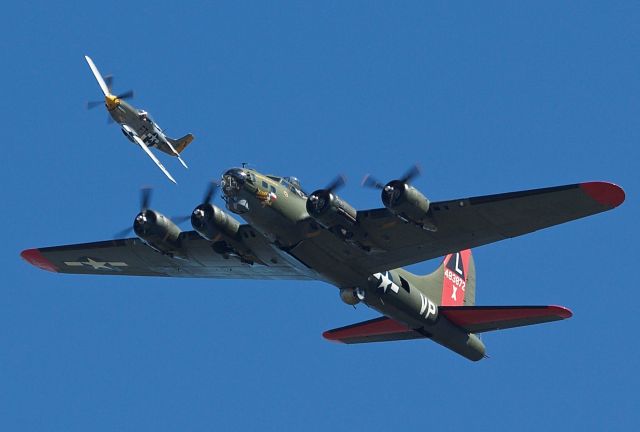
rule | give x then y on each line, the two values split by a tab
181	143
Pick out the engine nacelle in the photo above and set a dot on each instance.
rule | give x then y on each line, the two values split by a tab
351	296
407	203
330	211
211	222
158	231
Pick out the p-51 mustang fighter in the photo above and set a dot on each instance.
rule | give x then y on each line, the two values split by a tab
137	125
292	235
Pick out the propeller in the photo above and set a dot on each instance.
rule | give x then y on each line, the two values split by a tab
212	190
337	183
412	173
209	196
320	199
105	84
370	182
145	199
95	103
108	80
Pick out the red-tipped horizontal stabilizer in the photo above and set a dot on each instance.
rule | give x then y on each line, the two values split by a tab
478	319
381	329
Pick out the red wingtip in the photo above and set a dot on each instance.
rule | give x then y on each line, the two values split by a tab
607	194
328	335
562	311
34	257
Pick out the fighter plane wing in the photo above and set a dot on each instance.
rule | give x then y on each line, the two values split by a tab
131	257
470	222
144	147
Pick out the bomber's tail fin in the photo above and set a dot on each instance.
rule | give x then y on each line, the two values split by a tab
181	143
452	284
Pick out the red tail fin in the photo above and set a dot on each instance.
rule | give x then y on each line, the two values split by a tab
457	271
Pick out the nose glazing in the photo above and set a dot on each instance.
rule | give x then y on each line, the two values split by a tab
233	180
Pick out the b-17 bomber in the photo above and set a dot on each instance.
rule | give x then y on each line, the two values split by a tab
290	234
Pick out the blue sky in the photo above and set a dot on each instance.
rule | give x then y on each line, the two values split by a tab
489	98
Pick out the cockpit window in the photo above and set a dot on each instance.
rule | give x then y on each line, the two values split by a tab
294	185
294	181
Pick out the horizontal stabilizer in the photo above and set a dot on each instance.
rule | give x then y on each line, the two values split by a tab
381	329
181	143
478	319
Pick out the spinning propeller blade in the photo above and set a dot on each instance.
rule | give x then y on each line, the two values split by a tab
337	183
209	196
211	192
126	95
108	80
93	104
96	74
370	182
145	199
413	172
106	84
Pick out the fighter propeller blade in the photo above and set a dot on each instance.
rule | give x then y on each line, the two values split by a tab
96	74
126	95
93	104
105	84
108	80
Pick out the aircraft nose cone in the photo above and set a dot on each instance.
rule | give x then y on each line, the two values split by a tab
233	180
111	101
237	173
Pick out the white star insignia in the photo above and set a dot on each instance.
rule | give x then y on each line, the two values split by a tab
97	265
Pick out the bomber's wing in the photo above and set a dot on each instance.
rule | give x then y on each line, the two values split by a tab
132	257
470	222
